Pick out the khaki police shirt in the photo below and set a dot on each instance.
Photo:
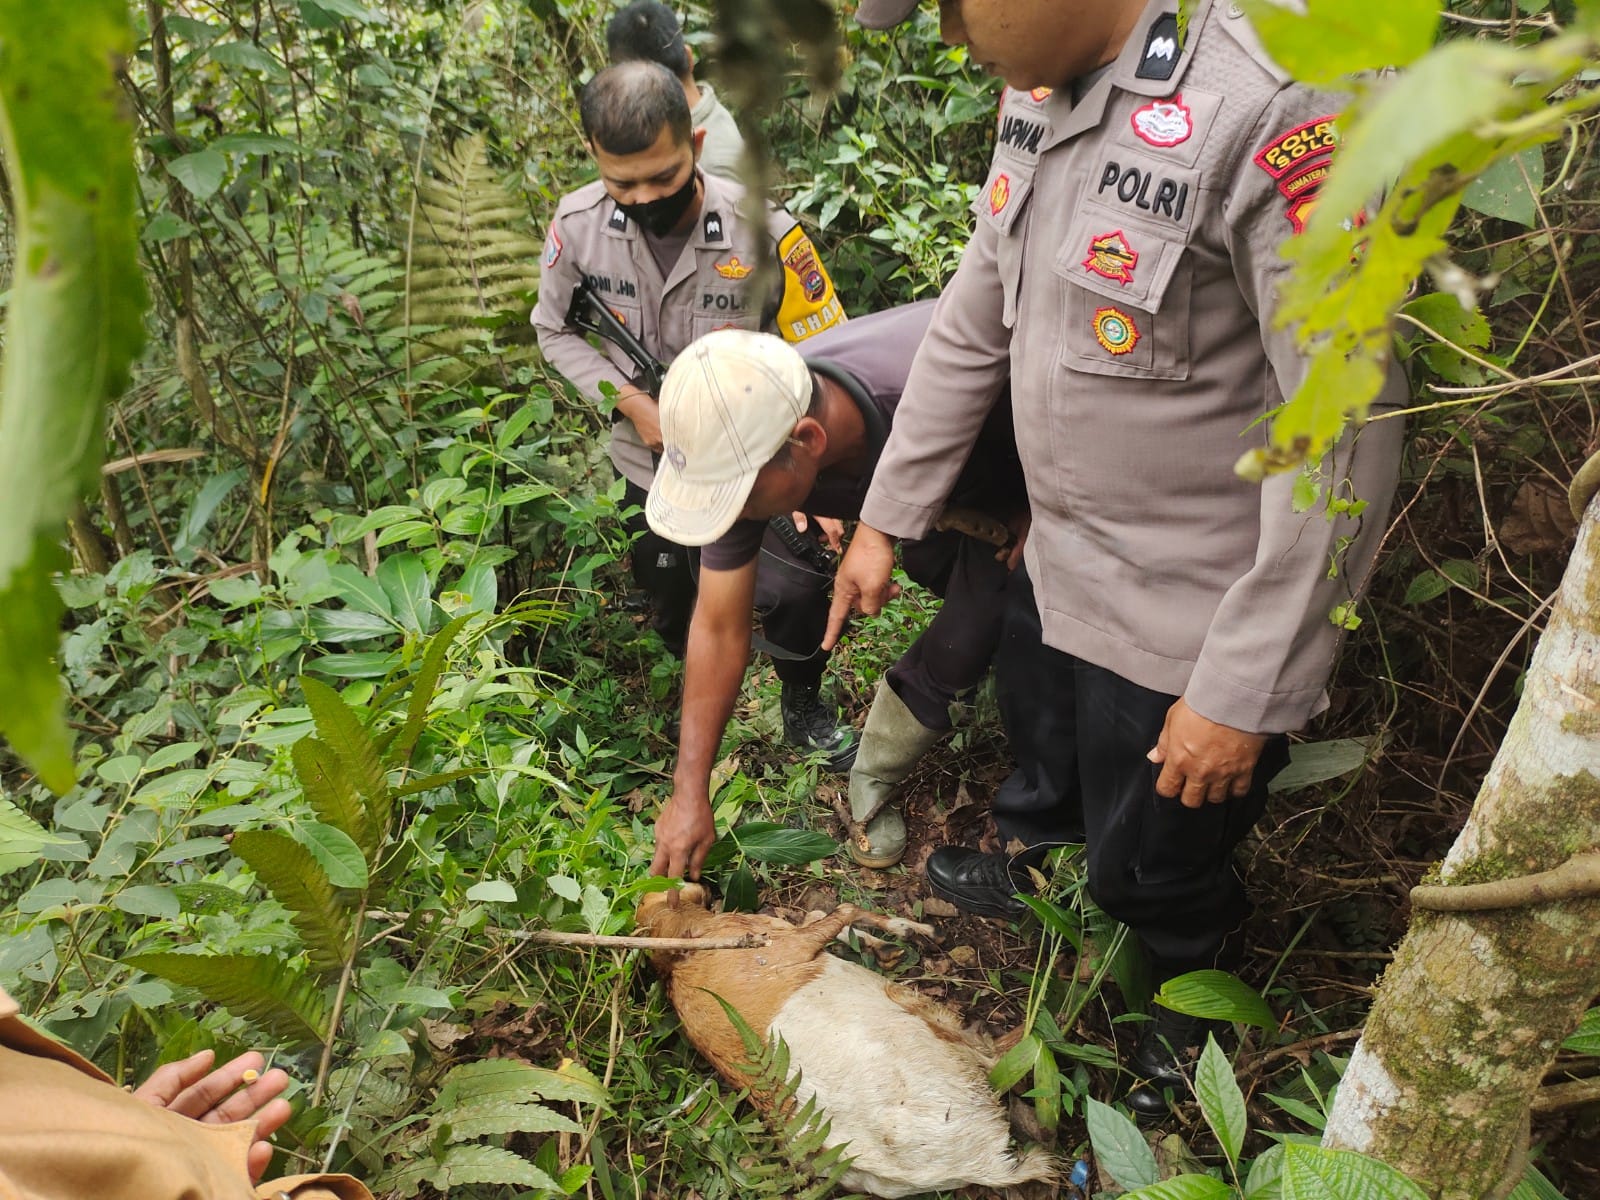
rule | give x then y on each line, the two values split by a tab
705	290
68	1133
724	144
1124	273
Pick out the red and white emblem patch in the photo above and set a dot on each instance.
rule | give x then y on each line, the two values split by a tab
999	194
1163	123
1040	94
552	248
1111	257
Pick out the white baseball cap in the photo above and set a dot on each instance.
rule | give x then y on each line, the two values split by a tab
728	404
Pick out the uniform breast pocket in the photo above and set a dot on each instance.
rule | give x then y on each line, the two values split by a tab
724	308
1126	297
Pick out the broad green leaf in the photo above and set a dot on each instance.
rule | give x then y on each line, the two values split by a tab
1057	920
201	509
1299	1110
766	842
1183	1187
1312	1173
1442	313
1046	1090
1119	1147
298	882
1221	1101
595	907
255	143
492	1117
171	756
741	893
74	323
351	9
348	625
247	56
1265	1180
189	848
1015	1064
261	988
1217	996
565	887
360	591
376	665
1334	38
1429	585
405	580
165	227
340	857
146	900
1317	762
21	838
1503	189
1534	1186
1586	1039
201	172
492	891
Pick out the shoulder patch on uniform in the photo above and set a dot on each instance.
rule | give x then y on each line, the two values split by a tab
1163	123
552	248
733	267
1293	147
800	257
619	220
1115	331
1162	48
1111	257
713	227
999	194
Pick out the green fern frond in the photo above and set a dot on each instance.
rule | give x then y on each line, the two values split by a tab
474	1164
259	988
499	1117
798	1131
422	690
340	727
503	1079
333	795
293	875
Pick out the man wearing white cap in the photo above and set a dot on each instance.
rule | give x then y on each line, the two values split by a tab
752	429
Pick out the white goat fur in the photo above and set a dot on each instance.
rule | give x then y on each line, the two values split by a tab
894	1073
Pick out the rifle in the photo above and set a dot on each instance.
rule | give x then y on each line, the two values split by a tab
588	312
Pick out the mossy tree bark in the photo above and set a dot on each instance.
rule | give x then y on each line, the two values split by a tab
1476	1003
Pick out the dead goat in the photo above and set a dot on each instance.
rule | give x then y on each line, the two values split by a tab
895	1074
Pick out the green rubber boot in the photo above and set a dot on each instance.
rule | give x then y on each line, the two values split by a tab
891	742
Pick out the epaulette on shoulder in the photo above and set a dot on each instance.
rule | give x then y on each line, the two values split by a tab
1243	34
589	196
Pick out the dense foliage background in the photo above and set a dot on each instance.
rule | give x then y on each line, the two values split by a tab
341	462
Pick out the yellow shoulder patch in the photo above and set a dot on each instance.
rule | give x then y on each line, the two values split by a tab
809	304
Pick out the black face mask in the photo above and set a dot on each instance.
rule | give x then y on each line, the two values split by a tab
661	215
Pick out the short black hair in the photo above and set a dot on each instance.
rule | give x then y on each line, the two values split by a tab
624	108
649	30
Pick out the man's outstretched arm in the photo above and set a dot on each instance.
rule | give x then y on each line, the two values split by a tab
719	648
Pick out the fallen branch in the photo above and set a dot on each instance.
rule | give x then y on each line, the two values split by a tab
553	937
1576	879
1560	1096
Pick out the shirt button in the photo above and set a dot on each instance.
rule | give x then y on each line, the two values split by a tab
1235	11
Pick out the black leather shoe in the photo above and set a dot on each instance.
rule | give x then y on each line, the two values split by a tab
1169	1046
810	724
984	884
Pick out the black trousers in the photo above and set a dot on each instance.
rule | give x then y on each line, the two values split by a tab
954	651
1164	870
791	595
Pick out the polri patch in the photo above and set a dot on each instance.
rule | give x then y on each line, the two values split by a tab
1111	257
1161	49
733	268
1115	331
1304	142
1040	94
552	249
999	194
1163	123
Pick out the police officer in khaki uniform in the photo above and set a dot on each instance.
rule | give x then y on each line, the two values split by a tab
1124	274
663	246
69	1133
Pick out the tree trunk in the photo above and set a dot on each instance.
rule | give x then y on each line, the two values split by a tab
1473	1009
